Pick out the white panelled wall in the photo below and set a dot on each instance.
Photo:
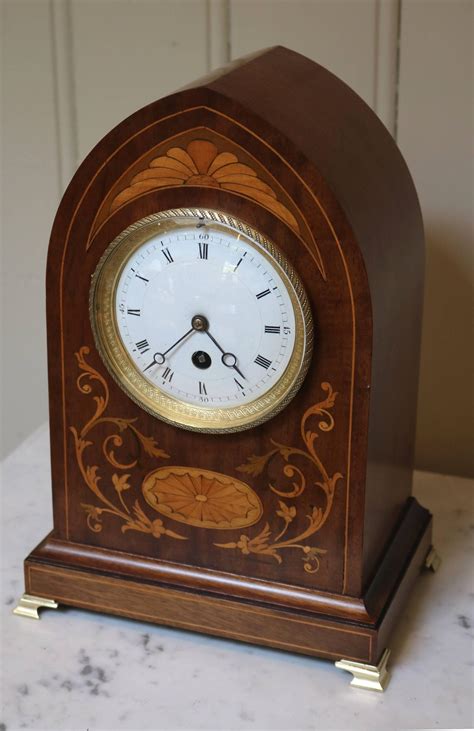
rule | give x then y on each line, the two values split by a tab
72	69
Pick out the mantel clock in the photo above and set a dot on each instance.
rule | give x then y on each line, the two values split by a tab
234	290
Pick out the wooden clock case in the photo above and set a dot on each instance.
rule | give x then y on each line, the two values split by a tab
281	143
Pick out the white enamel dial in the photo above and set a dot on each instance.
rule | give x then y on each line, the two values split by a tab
201	272
208	317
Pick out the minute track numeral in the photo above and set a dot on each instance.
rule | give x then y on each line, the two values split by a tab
167	255
264	362
262	294
276	329
143	346
203	250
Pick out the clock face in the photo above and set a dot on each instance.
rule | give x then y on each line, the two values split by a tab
201	320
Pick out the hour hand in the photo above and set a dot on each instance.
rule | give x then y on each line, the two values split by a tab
200	323
158	359
228	359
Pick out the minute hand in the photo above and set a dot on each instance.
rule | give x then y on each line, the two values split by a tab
159	358
178	341
224	353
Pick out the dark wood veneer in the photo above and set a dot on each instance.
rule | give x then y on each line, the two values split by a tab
346	215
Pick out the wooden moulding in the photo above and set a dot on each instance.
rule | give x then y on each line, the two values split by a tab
216	603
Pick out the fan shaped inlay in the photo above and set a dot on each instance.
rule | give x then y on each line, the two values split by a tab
202	498
202	164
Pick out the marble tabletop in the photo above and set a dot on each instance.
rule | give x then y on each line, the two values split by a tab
80	670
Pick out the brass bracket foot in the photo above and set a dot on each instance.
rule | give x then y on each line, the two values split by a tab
433	560
28	606
370	677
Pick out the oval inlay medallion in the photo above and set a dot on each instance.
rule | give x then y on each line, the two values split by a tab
202	498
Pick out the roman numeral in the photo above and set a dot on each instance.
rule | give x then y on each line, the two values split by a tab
167	255
203	250
261	361
143	278
273	329
133	312
143	346
202	388
167	374
263	294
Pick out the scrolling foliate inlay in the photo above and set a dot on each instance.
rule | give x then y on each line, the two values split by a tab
134	517
200	163
203	498
197	497
270	542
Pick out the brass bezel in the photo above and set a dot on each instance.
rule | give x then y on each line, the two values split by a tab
153	399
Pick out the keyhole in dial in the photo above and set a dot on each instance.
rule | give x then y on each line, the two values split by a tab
201	359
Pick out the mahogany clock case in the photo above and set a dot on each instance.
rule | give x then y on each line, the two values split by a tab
325	560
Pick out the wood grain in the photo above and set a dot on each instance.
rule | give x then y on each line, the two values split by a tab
299	137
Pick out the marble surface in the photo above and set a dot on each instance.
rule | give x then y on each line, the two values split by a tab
80	670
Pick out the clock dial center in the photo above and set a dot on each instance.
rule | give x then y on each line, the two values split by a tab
200	323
